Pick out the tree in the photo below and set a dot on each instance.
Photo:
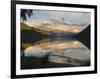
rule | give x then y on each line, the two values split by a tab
25	13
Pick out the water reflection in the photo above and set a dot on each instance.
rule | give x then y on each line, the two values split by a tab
61	51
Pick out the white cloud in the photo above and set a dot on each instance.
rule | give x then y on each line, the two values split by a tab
72	16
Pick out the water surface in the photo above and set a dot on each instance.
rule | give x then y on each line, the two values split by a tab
54	52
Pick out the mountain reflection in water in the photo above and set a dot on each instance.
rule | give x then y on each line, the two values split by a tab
56	52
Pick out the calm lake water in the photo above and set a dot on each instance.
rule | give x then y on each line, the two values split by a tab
54	52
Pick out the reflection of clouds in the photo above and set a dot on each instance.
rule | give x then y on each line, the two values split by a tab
60	45
78	53
57	59
70	51
35	51
76	56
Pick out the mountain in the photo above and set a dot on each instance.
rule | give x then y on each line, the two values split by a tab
41	31
32	34
27	27
84	36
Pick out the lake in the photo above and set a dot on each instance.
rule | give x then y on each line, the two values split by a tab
54	52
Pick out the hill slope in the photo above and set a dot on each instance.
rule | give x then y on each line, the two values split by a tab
26	27
31	34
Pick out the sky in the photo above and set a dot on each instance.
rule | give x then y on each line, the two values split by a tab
40	16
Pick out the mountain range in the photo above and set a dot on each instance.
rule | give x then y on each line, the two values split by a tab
28	33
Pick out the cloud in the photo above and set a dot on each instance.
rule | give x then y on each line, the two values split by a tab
69	16
81	17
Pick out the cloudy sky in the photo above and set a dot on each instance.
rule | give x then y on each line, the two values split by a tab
69	17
